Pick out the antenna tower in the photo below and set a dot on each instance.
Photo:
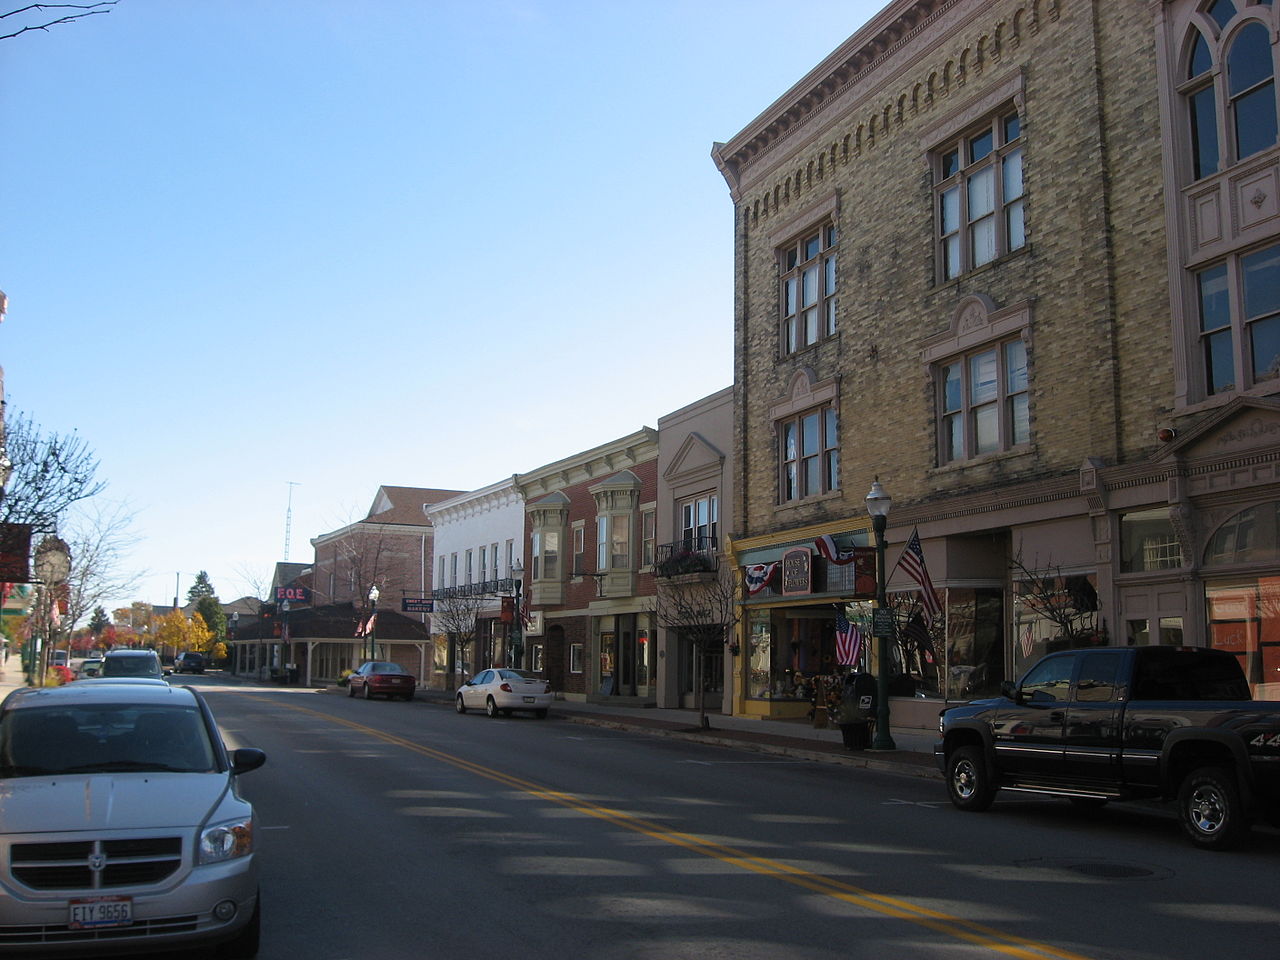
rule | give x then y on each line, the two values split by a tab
288	518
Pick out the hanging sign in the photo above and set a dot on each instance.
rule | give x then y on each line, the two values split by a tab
797	572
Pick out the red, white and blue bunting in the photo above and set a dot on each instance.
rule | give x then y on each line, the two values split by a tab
758	575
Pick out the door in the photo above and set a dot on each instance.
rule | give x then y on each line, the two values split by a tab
1091	740
1029	731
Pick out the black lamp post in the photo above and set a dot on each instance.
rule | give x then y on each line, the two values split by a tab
878	503
373	622
517	625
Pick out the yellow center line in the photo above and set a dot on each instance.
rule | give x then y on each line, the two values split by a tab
1005	944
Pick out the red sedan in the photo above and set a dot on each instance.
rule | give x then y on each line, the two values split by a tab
378	678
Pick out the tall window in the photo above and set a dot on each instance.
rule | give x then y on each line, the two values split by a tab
980	198
1237	105
613	542
469	567
649	536
1239	302
579	537
983	402
699	518
484	564
809	454
808	289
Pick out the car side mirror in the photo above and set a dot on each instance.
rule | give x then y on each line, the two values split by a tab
168	672
1009	690
246	759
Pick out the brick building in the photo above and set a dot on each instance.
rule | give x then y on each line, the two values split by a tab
1018	259
588	555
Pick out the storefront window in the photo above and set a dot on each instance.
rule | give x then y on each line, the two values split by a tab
975	642
1147	542
759	656
1251	536
1244	619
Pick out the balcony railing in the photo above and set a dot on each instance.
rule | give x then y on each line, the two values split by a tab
689	555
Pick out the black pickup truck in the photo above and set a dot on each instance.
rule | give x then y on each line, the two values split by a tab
1124	723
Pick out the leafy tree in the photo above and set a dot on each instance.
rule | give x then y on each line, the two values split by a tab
210	610
99	622
201	588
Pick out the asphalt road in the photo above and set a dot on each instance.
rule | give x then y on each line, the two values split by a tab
402	829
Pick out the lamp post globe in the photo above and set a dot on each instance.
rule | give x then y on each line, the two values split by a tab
878	504
517	624
373	622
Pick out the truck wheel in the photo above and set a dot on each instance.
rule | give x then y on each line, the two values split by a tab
968	782
1210	810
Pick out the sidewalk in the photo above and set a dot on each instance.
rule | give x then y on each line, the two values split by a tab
791	738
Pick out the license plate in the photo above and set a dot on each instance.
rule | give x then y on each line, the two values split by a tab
100	912
530	699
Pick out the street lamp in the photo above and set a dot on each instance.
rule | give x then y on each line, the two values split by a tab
373	622
53	566
517	633
878	504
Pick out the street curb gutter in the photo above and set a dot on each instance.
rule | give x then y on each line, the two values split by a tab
867	762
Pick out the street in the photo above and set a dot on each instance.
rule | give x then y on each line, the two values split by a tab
394	829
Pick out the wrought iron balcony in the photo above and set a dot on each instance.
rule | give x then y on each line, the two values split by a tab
689	555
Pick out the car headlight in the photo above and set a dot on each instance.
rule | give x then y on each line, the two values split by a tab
226	841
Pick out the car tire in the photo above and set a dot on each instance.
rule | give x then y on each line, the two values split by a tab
351	689
491	707
364	692
968	782
541	713
244	945
1210	809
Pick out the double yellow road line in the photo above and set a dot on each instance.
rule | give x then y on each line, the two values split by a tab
945	924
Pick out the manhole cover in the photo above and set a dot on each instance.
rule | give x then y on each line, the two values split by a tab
1100	869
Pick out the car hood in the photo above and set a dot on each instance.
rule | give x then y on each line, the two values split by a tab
100	801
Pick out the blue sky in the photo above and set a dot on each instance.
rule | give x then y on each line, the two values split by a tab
248	242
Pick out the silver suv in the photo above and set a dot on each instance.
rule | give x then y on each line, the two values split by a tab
121	826
132	663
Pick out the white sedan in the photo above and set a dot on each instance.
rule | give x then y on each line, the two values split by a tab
502	690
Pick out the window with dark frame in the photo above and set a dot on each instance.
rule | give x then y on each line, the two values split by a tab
809	454
979	196
807	289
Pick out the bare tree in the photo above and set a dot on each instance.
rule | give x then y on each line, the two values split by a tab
85	10
457	615
50	473
1068	601
99	538
703	608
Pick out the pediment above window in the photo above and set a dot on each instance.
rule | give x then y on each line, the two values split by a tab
1246	425
975	320
804	390
696	456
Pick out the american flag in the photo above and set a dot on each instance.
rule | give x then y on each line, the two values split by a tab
848	641
912	560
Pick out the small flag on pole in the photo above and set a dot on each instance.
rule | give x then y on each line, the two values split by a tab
848	641
912	560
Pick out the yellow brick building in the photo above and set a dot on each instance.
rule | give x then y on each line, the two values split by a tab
1020	259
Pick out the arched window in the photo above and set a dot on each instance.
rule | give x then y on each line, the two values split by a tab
1229	85
1251	536
1251	88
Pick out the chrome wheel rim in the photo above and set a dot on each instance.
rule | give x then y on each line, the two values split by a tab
964	779
1207	810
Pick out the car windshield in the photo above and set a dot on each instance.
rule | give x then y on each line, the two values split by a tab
385	668
130	667
513	675
103	738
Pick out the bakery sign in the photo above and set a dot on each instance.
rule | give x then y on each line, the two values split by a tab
797	572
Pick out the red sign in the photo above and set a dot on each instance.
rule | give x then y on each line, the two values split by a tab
296	594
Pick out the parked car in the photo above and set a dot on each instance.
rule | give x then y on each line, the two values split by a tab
502	690
1124	723
132	663
89	667
381	678
121	825
189	662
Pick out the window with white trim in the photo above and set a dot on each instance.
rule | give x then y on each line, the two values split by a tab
809	454
979	196
699	519
983	402
807	288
